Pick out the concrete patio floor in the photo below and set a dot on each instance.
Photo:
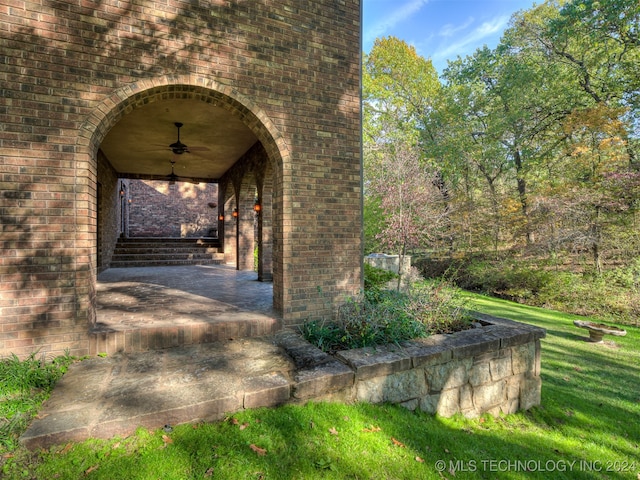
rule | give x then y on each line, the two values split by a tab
148	308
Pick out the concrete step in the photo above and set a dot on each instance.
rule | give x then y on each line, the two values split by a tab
141	252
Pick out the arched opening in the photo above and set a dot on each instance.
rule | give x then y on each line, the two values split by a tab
130	137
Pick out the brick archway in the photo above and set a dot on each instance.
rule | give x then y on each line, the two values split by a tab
132	96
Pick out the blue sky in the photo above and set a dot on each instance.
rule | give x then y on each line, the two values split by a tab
440	29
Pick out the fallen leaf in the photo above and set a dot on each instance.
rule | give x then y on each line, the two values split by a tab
372	429
209	472
234	421
345	418
312	425
446	450
577	369
258	450
566	379
333	431
166	439
418	459
397	443
90	469
66	449
115	445
244	425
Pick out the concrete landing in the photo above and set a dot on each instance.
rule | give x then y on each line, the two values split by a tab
105	397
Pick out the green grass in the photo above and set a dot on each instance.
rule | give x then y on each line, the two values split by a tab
24	385
586	428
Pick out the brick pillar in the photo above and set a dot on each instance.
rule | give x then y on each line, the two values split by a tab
246	223
229	229
265	228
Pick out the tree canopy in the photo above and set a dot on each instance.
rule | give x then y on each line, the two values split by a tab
531	146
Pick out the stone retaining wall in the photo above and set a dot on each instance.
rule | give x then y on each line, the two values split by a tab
492	369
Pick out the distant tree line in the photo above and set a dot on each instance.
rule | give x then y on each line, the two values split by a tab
531	148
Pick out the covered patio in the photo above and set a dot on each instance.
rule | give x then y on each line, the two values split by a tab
145	308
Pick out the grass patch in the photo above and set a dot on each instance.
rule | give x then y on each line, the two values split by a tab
586	428
24	385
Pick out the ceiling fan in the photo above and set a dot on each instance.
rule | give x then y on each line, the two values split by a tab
178	147
172	176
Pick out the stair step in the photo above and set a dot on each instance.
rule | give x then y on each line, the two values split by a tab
138	252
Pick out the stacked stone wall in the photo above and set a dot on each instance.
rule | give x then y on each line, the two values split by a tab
493	369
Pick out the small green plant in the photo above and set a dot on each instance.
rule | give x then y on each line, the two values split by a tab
24	385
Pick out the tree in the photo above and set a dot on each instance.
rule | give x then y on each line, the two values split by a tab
409	201
399	89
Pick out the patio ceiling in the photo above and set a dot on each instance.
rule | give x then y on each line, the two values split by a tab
138	145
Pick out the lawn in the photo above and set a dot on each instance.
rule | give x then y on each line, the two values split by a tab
588	427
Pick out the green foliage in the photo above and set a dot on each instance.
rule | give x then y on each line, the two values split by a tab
24	385
508	279
589	396
376	279
389	316
613	296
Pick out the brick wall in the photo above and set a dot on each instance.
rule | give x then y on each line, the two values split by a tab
110	210
158	209
70	70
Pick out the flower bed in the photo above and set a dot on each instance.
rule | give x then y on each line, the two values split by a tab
494	369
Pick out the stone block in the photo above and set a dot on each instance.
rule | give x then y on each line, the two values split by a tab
509	406
513	386
319	380
428	351
530	392
523	358
479	374
411	404
449	402
375	362
397	388
500	368
466	398
448	375
490	395
429	403
470	343
266	390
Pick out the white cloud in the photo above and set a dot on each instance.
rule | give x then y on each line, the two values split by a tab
398	15
449	30
475	38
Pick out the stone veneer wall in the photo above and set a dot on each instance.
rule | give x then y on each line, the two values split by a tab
493	369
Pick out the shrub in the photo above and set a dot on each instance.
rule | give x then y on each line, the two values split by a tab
388	316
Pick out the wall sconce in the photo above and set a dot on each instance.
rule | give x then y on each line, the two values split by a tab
257	207
235	213
220	217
